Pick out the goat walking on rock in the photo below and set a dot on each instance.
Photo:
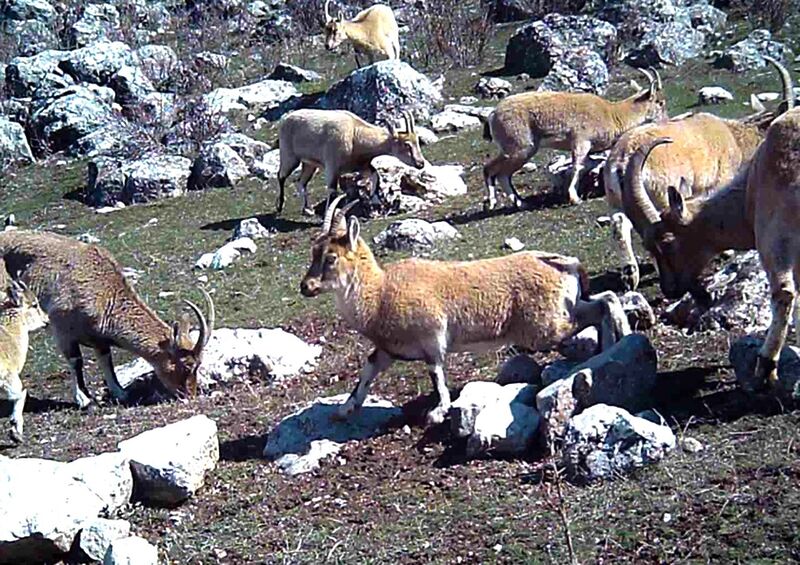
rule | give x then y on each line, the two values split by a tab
421	310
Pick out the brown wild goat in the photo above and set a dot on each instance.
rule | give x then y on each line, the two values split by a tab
706	152
373	33
20	314
90	303
759	209
421	310
339	142
578	122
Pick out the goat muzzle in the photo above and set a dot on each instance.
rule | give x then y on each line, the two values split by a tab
310	287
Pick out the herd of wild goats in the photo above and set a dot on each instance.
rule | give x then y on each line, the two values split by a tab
691	187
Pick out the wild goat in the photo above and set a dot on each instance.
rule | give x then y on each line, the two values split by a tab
90	303
758	209
421	310
340	142
373	32
20	314
578	122
706	152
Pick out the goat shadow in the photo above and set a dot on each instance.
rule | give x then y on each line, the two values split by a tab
270	221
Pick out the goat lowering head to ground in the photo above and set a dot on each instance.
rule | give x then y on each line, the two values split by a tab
373	33
20	314
91	303
421	310
339	142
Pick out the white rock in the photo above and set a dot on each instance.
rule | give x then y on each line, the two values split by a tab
713	95
691	445
88	238
170	463
638	310
45	503
473	398
97	535
474	111
300	441
603	441
251	228
226	255
257	97
132	550
514	244
426	136
415	234
449	121
433	183
582	346
768	96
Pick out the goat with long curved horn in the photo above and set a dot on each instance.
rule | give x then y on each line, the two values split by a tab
634	194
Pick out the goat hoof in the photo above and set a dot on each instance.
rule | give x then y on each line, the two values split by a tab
574	200
16	436
488	205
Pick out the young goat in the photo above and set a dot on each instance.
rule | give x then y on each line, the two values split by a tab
373	33
758	209
706	153
340	142
578	122
421	310
19	314
90	303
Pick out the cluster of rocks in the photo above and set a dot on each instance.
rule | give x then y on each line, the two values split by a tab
55	510
574	52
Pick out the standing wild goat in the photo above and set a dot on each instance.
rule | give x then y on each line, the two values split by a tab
19	314
421	310
90	303
373	33
759	209
578	122
706	152
340	142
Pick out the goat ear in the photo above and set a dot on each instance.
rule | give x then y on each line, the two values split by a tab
353	232
677	207
603	221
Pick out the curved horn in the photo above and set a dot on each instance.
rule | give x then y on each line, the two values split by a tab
327	11
658	79
647	74
786	81
205	331
409	117
339	223
328	221
634	195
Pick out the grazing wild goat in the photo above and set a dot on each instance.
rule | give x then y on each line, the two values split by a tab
90	303
373	33
20	314
759	209
339	142
578	122
706	152
421	310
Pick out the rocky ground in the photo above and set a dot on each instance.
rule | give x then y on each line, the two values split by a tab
411	494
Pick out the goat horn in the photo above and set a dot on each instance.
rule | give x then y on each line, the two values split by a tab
409	121
205	332
327	222
635	197
339	223
658	79
647	74
327	10
786	81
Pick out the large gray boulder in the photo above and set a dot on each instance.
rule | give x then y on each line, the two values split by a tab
415	234
159	63
98	21
624	375
578	69
149	178
253	98
57	123
29	24
635	19
20	10
292	73
520	368
743	356
98	62
25	74
228	159
671	43
382	91
14	146
748	54
536	47
170	463
303	439
741	299
705	17
606	441
131	85
46	503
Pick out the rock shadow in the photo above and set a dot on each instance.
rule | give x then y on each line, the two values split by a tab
270	221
